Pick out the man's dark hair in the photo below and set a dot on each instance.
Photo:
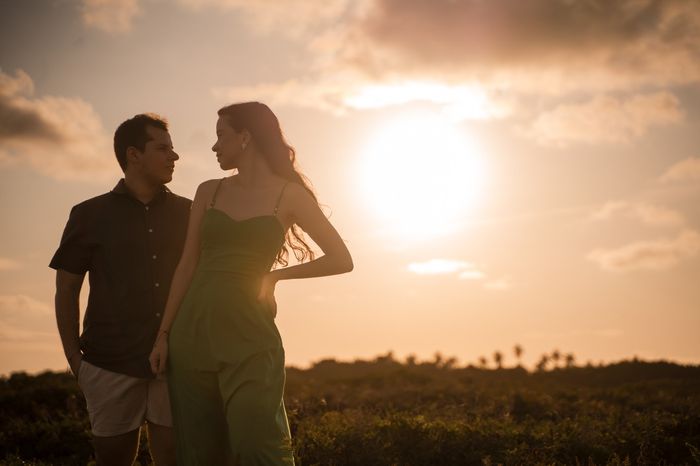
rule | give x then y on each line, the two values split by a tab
132	133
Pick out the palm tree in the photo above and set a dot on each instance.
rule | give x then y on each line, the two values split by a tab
483	362
542	364
570	358
498	359
438	358
518	350
556	355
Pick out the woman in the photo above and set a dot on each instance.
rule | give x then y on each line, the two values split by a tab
224	354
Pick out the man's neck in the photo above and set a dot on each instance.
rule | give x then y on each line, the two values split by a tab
141	189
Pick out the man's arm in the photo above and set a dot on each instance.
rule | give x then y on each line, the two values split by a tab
68	287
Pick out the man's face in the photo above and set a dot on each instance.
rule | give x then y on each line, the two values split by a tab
157	161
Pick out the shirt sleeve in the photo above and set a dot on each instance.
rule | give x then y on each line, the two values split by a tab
75	251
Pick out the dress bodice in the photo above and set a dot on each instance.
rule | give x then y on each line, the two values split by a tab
245	248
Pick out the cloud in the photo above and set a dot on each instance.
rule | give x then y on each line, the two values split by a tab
23	318
328	97
648	214
9	264
480	59
685	170
605	119
293	17
548	46
38	338
463	270
18	305
339	93
112	16
60	137
264	16
660	254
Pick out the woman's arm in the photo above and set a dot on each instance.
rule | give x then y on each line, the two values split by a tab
305	212
183	274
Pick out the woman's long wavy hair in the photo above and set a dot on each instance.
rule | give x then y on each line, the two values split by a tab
267	136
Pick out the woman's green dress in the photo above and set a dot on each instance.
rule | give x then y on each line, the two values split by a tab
226	360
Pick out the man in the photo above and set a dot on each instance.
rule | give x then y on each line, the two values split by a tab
129	240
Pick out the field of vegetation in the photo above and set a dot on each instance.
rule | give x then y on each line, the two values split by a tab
386	412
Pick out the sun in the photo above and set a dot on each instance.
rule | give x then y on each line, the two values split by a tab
421	174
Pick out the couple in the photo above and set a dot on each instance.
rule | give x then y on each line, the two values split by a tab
188	285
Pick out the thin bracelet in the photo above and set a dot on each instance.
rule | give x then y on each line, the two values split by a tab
161	332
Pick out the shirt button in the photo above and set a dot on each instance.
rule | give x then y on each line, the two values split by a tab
150	230
157	314
157	284
154	256
147	207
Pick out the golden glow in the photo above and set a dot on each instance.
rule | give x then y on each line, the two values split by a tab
420	175
458	102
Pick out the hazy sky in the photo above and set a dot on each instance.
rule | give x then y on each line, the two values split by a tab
503	171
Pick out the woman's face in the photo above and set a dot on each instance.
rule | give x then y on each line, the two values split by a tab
229	145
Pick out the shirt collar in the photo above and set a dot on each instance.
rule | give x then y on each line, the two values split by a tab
122	189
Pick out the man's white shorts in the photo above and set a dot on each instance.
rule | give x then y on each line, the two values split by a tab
119	403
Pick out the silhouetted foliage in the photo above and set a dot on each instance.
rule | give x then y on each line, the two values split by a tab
518	351
383	412
498	359
555	357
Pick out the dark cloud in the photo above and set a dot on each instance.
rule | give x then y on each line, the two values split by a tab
651	41
19	119
66	128
23	123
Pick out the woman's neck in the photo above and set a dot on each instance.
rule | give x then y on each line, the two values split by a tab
255	174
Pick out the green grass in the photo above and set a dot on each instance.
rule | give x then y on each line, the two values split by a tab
382	412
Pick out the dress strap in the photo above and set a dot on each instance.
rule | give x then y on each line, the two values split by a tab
279	198
216	191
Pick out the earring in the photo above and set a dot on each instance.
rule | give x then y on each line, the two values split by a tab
243	146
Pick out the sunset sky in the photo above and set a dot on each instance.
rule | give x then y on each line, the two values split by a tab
503	171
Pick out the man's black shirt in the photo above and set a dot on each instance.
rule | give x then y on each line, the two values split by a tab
130	250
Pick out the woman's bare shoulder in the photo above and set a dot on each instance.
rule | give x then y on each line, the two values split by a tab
296	191
207	188
209	185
